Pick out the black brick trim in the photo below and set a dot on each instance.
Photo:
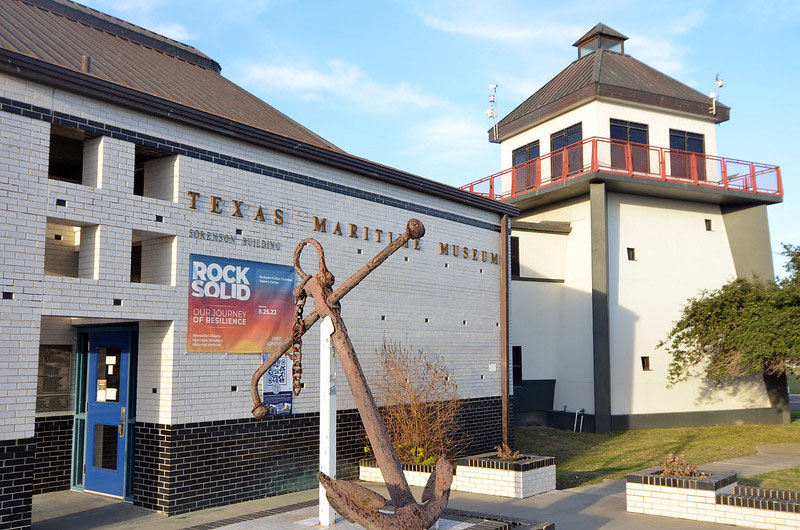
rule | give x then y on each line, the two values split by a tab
491	461
652	477
406	466
53	458
187	467
16	482
98	128
769	493
759	503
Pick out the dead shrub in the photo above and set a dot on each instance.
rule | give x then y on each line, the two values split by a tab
421	404
504	452
677	466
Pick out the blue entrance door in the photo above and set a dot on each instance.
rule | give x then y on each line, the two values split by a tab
106	411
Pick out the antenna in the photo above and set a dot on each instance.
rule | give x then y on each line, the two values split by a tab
718	83
491	112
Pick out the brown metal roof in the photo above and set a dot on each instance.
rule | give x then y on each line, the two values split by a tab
600	29
60	32
603	73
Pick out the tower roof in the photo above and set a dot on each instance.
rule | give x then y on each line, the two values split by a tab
600	29
606	74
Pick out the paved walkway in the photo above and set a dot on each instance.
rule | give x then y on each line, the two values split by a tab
586	508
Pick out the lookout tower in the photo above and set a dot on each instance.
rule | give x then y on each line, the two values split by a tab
627	211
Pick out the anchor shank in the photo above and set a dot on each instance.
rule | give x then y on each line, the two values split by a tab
258	407
385	454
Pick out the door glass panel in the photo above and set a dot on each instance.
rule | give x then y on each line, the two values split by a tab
108	374
105	446
77	458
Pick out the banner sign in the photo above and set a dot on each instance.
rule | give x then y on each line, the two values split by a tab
238	306
278	386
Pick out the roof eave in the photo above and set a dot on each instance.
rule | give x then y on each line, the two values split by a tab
62	78
575	99
595	90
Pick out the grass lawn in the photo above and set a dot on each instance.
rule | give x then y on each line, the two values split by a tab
785	479
587	458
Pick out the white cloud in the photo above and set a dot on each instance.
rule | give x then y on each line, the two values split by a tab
511	88
661	50
342	80
687	22
452	148
500	32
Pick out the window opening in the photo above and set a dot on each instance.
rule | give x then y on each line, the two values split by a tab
708	225
65	159
629	135
686	150
154	179
514	257
631	254
525	175
153	257
516	354
136	262
62	250
566	142
646	363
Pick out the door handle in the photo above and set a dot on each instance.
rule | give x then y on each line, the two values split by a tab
121	428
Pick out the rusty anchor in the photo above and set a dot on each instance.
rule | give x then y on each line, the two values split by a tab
356	503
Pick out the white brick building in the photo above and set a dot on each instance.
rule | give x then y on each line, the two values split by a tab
122	153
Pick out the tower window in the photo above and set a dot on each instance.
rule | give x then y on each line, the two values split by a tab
566	140
708	225
631	254
525	176
627	135
686	154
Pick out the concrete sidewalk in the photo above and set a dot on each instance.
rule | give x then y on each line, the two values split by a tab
587	507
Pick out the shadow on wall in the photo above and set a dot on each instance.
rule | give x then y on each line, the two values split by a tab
742	388
652	282
553	323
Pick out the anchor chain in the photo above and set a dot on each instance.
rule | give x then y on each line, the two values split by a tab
297	344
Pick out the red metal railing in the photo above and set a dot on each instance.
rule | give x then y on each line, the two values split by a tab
634	160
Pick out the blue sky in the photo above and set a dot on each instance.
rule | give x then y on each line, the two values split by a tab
406	83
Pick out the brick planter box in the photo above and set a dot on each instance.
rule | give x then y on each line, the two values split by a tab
716	498
483	473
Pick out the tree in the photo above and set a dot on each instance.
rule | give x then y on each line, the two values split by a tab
746	327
